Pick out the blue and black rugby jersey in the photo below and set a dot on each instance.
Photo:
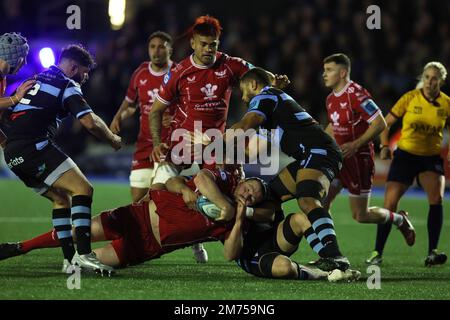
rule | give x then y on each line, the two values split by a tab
39	112
297	132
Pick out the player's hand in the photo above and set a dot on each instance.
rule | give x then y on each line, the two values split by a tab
166	119
115	125
385	153
116	142
226	213
281	81
349	149
24	87
159	152
240	210
190	198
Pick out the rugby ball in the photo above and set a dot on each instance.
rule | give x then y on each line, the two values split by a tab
207	208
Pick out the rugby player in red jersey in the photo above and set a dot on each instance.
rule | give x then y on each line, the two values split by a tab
355	121
143	87
164	221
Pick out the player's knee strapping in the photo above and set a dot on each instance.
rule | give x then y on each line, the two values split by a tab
278	187
288	233
266	263
310	189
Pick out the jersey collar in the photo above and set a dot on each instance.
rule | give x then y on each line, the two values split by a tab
201	66
338	94
160	73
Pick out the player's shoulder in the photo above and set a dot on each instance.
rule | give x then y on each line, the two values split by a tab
446	98
355	88
224	58
415	93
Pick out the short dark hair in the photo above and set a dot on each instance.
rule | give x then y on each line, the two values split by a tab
161	35
257	74
339	58
79	54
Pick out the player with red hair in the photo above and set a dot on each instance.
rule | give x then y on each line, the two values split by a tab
202	84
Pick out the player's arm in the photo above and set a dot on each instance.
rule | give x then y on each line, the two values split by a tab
206	184
376	126
97	127
178	185
448	145
7	102
385	153
264	212
232	246
329	130
279	81
155	117
126	110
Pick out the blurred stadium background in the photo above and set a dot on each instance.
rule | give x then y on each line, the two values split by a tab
285	36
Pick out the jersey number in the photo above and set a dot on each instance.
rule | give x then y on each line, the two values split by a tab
31	92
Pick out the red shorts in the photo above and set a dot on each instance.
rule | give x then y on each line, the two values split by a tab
131	233
357	173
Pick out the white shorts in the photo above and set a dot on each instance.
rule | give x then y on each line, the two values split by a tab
140	178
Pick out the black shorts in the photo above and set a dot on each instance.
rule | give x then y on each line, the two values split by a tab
37	164
406	166
328	161
263	243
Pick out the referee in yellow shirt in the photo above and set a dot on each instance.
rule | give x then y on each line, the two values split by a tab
425	112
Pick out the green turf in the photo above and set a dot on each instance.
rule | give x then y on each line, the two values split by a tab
176	276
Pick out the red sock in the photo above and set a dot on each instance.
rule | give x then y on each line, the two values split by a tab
46	240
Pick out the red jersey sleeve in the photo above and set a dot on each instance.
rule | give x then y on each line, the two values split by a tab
237	67
362	102
169	87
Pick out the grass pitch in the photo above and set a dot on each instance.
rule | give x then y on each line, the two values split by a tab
36	275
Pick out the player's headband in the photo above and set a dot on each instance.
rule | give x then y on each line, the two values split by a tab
265	189
13	49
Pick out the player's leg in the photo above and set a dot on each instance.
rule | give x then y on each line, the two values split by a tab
140	183
361	212
335	189
434	184
107	255
76	184
164	172
393	192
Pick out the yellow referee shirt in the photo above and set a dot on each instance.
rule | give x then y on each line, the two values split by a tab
423	122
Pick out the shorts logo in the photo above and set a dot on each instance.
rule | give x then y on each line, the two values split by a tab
15	162
41	170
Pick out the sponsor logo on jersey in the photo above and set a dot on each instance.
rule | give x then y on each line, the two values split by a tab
343	105
417	110
221	74
143	82
335	118
441	113
209	90
351	90
152	94
15	162
190	80
167	77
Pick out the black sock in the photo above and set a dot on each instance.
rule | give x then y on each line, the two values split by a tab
314	241
81	219
63	227
324	228
435	220
383	231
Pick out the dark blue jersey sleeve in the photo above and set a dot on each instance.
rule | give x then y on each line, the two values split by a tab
264	105
74	102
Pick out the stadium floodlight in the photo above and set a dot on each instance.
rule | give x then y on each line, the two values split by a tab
47	57
116	11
